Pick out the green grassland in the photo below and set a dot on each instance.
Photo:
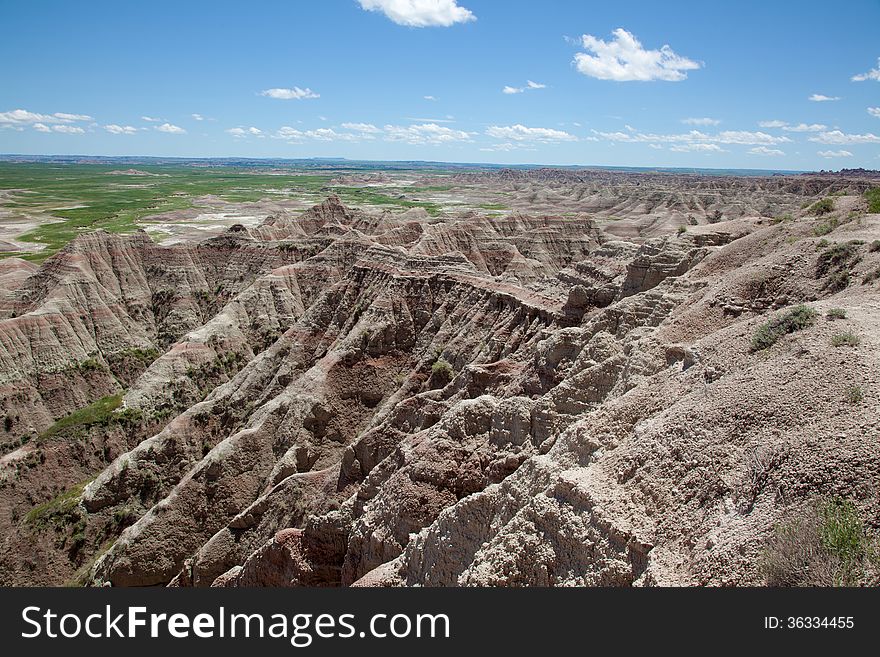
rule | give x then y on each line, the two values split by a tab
116	202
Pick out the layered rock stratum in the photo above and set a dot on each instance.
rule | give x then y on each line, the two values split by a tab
343	397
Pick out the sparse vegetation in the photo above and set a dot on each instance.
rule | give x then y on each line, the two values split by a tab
871	276
836	313
875	245
855	394
822	207
873	198
682	230
836	262
825	227
826	545
845	339
796	319
99	412
55	510
442	369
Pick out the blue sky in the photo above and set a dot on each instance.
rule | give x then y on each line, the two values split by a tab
595	83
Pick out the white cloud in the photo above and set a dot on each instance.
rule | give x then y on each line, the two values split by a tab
70	118
874	111
697	147
695	136
198	117
834	153
821	98
120	129
368	128
42	127
803	127
429	97
171	129
328	134
624	59
290	94
150	119
873	74
520	132
701	121
24	117
68	129
763	150
417	119
425	133
240	132
518	90
320	134
800	127
838	137
421	13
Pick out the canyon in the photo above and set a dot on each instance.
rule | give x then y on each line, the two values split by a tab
563	387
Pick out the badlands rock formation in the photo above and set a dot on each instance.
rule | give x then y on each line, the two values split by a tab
392	399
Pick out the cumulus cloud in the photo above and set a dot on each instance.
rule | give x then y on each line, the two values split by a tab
821	98
520	132
838	137
502	148
425	133
367	128
518	90
696	136
701	121
697	147
874	111
873	74
763	150
834	153
70	118
417	119
624	59
171	129
151	119
294	93
421	13
120	129
804	127
21	117
68	129
787	127
245	132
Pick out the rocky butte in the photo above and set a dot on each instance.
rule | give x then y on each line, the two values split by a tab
638	390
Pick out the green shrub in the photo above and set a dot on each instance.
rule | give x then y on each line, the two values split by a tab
441	369
845	339
796	319
836	313
854	394
682	230
873	197
837	262
824	206
825	227
99	412
825	545
875	245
